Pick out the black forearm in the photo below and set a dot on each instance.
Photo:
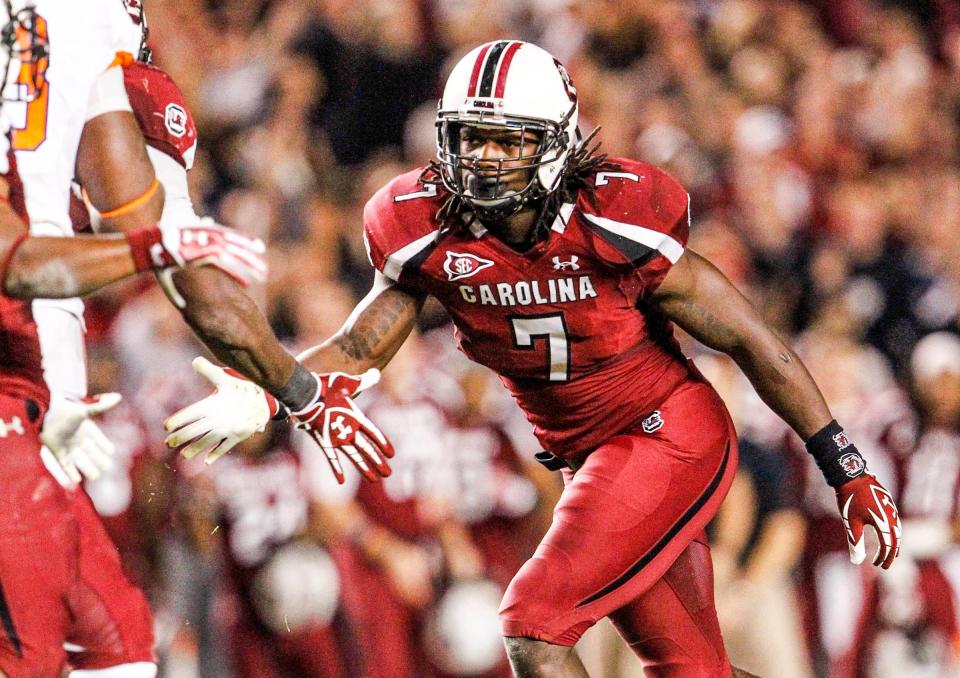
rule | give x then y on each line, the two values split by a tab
229	323
703	302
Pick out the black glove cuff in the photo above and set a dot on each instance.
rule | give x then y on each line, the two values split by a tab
300	391
838	458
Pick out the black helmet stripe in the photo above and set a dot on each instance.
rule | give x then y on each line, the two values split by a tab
490	68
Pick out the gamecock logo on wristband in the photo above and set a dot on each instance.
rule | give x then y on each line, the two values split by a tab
841	440
852	464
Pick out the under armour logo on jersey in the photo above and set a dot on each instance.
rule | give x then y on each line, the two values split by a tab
342	430
654	422
13	426
460	266
175	118
571	265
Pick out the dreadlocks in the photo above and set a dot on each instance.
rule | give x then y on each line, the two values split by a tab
581	163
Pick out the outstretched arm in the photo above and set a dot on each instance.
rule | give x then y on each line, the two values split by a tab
701	300
34	267
343	367
372	334
60	268
116	172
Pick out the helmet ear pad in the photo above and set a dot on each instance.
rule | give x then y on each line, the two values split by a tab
550	174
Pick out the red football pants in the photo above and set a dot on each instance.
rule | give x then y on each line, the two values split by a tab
620	542
111	620
60	578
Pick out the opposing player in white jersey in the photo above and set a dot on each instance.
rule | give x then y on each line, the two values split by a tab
79	120
115	169
43	593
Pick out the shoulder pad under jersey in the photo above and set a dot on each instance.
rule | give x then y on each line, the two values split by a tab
640	211
399	223
162	113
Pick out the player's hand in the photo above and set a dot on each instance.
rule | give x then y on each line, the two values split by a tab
864	502
235	410
338	425
204	243
77	443
207	243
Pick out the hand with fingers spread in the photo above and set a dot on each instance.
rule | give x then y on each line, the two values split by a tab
79	446
211	427
238	408
338	425
864	502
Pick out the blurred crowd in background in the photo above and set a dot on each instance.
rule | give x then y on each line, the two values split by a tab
820	143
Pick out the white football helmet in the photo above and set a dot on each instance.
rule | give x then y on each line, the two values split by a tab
517	86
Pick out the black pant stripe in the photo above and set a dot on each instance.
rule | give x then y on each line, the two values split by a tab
666	538
8	626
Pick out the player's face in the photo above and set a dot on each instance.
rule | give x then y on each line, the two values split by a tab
498	160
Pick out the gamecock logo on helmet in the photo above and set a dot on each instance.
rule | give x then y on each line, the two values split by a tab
459	266
852	464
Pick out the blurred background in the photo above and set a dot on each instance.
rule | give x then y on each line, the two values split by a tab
819	142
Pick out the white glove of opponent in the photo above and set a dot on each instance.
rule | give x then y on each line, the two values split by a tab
238	408
235	410
75	441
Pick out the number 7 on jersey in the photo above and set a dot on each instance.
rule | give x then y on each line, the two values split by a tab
552	328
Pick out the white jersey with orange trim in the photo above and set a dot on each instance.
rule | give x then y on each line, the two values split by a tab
76	83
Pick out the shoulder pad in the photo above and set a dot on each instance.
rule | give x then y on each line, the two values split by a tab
399	223
161	112
640	211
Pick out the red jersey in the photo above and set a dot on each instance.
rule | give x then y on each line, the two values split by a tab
165	121
565	324
21	371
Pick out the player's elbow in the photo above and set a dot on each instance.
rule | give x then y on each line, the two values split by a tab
30	278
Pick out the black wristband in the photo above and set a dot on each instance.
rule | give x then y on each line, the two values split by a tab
838	458
300	390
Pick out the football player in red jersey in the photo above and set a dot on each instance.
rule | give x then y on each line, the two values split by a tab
562	271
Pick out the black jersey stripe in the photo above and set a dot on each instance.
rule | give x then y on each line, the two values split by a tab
666	538
636	253
413	264
489	76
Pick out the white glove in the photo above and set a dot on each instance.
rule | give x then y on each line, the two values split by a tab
235	410
78	444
